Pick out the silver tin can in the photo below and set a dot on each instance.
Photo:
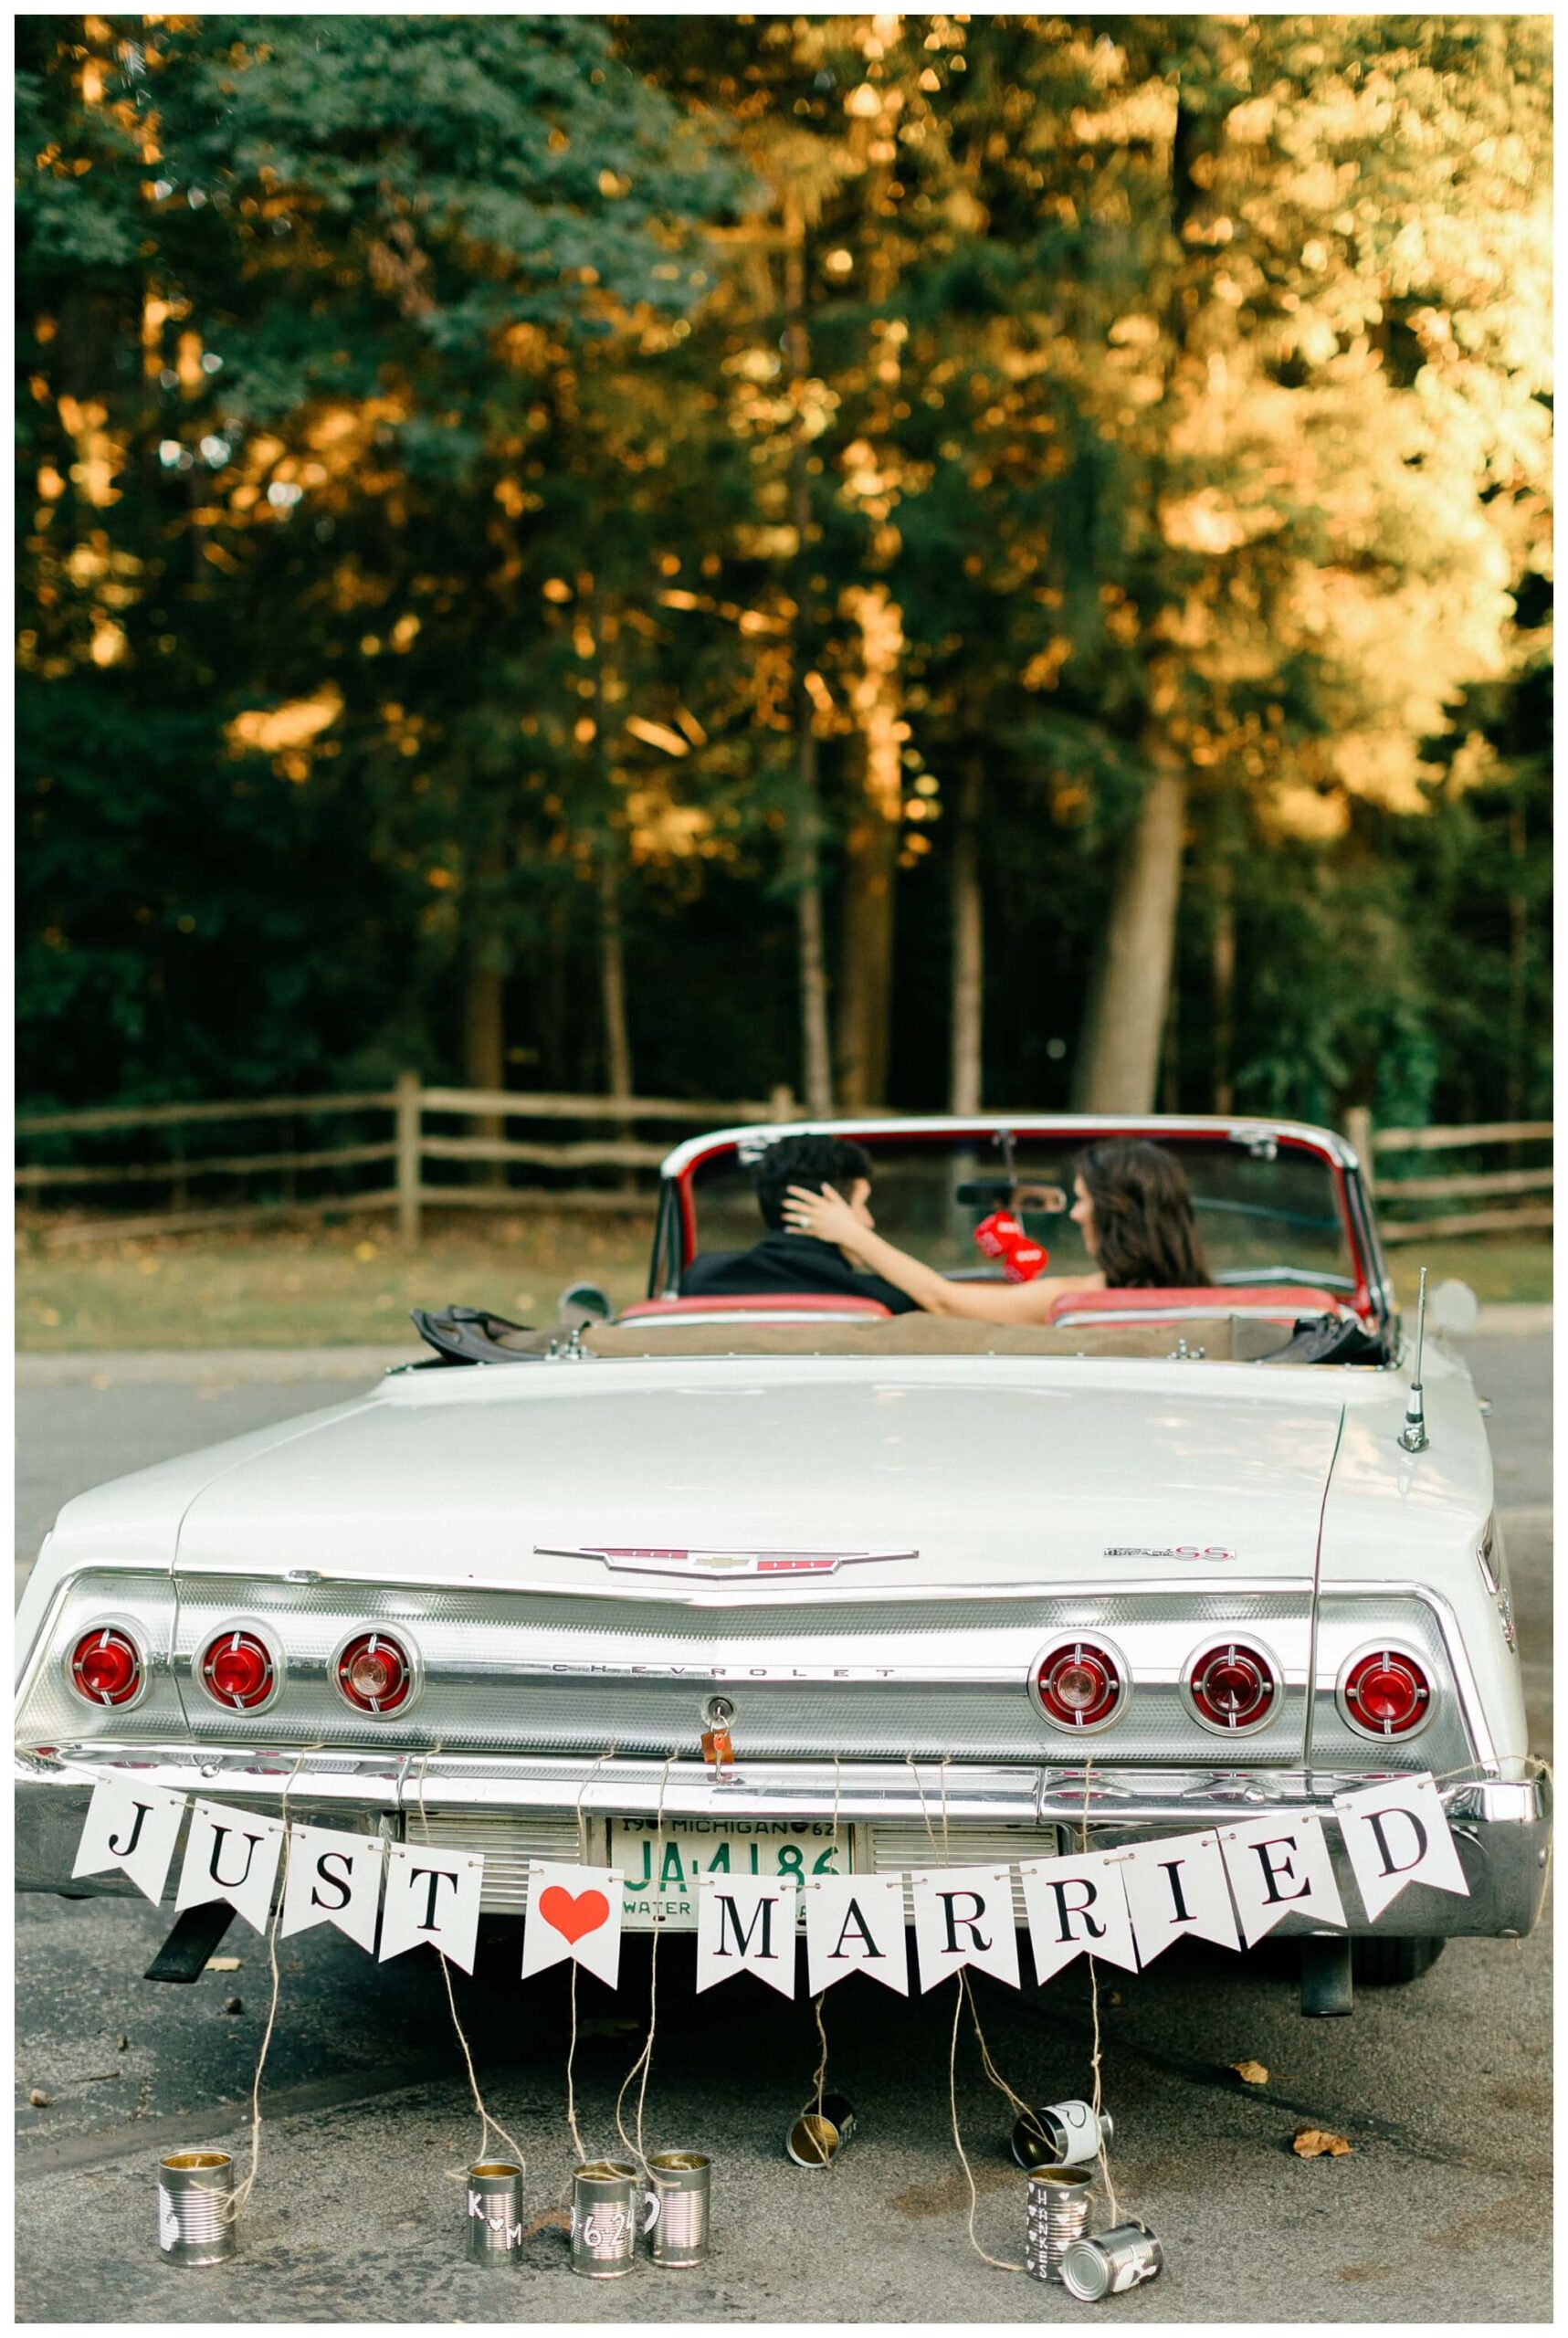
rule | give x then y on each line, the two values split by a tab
1104	2264
1064	2135
821	2133
605	2197
1055	2217
493	2198
195	2208
679	2207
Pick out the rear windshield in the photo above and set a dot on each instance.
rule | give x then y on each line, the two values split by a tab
1256	1215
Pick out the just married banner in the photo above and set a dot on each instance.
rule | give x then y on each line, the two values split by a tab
1230	1884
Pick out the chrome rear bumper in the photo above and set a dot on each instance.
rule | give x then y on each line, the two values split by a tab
904	1814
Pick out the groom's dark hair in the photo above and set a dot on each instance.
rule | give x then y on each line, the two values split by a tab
813	1161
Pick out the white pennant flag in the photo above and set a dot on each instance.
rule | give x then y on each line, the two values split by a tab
431	1896
231	1855
1075	1904
130	1827
1278	1868
745	1924
1398	1834
573	1912
1177	1889
855	1923
333	1879
964	1915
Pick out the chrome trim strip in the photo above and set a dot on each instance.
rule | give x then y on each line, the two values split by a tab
1332	1146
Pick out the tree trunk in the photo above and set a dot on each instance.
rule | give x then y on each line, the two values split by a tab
1119	1055
484	1009
816	1062
871	857
1223	969
613	979
968	948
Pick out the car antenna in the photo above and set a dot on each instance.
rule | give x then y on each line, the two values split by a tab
1004	1139
1413	1436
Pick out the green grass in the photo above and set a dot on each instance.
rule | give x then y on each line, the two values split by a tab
342	1285
350	1284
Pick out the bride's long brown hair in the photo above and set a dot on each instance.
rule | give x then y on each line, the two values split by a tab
1143	1216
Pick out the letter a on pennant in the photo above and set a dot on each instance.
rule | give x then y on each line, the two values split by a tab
855	1923
745	1924
1077	1905
1398	1834
574	1913
1278	1868
134	1828
231	1855
1176	1889
432	1896
964	1915
333	1879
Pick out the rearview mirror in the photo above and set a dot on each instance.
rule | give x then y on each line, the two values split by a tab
580	1303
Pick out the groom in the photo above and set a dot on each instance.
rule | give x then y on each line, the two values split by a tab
783	1261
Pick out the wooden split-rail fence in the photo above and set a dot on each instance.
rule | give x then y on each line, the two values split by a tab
411	1140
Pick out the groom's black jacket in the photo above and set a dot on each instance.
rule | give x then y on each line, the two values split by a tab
784	1262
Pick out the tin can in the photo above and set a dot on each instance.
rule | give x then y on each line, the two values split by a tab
493	2192
821	2133
195	2208
677	2207
605	2196
1064	2135
1057	2211
1104	2264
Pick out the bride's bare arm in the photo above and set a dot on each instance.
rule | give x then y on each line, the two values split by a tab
829	1217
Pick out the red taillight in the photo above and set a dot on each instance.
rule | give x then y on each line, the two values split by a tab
1081	1685
238	1671
1386	1694
374	1674
106	1667
1232	1687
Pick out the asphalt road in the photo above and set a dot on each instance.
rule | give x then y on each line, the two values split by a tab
1441	2212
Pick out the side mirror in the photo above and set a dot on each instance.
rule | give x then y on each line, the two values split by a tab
580	1303
1453	1308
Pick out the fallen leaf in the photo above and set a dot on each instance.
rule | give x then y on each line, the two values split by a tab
1316	2143
1251	2073
38	2098
225	1964
121	2042
233	2004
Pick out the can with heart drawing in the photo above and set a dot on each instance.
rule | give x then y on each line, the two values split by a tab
1064	2135
493	2192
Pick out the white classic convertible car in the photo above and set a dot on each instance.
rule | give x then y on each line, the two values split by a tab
791	1571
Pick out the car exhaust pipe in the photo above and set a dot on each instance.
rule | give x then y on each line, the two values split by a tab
1327	1987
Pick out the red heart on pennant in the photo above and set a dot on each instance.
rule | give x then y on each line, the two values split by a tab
573	1917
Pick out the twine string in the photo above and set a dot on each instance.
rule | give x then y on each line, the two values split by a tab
232	2205
486	2121
643	2063
588	1777
1101	2154
1002	2264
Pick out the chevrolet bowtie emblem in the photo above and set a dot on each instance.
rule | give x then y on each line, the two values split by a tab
635	1559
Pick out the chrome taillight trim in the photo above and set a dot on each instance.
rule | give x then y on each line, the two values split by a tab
132	1631
1055	1646
256	1629
1254	1646
1383	1736
408	1645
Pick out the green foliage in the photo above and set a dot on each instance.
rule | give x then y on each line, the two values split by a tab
416	420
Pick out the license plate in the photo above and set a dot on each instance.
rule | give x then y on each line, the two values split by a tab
661	1875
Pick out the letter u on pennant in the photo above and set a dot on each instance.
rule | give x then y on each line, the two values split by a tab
231	1855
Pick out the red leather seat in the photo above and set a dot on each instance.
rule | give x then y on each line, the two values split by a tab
763	1304
1273	1302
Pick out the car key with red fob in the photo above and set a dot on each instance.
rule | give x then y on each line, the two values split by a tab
1000	1236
